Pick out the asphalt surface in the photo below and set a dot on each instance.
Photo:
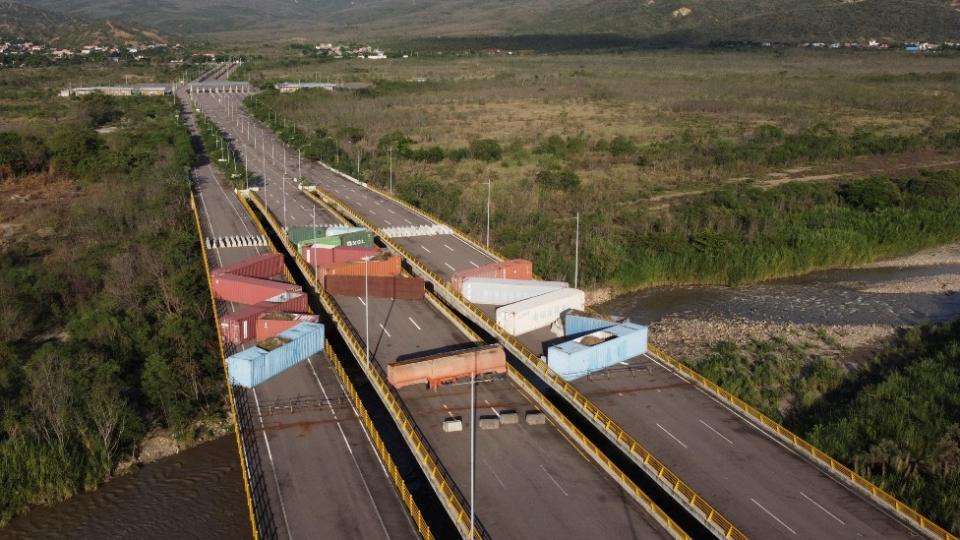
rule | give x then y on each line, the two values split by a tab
531	481
323	476
762	486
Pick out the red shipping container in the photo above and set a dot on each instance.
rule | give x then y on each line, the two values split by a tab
408	288
510	269
261	266
348	254
271	324
375	286
318	255
240	325
247	290
387	266
291	302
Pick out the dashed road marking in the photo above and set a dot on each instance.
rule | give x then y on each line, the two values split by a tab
715	431
829	513
672	436
385	331
415	323
452	269
769	513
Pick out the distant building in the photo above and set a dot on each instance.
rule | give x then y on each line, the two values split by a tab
120	91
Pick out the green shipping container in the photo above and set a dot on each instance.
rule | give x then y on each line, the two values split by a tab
300	234
356	239
325	241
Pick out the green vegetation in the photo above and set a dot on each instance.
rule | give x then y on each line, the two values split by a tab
105	326
896	420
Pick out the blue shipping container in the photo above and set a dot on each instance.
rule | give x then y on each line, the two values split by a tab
337	231
579	322
253	366
573	359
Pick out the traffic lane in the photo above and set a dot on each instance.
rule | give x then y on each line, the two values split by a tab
531	482
445	254
762	486
328	483
400	328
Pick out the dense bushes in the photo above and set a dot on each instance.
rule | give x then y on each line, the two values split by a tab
105	330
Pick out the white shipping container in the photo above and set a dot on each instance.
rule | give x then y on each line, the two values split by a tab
538	312
500	292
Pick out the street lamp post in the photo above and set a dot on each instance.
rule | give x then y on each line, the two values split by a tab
390	152
489	192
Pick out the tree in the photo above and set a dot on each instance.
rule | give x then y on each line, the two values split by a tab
558	179
485	150
74	149
12	158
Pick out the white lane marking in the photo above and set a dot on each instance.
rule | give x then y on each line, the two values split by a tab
372	213
425	249
769	513
391	210
346	443
276	481
408	221
415	323
385	331
448	247
829	513
361	300
672	436
452	269
475	265
715	431
554	480
495	475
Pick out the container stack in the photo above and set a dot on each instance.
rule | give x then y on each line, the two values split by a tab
272	356
248	282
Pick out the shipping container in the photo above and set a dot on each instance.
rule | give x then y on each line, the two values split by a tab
577	322
273	356
291	302
343	229
272	324
500	292
597	350
261	266
240	325
382	266
331	241
436	369
247	290
362	238
299	234
398	287
344	254
538	312
317	255
510	269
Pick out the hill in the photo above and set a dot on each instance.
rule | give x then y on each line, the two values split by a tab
683	21
22	21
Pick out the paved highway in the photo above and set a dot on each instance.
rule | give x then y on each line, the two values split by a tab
322	475
763	487
532	483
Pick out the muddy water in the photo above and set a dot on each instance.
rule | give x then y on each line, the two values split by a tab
833	297
195	494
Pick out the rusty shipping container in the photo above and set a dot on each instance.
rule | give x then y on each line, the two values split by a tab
510	269
272	324
261	266
317	255
344	254
384	266
291	302
398	287
240	325
247	290
437	369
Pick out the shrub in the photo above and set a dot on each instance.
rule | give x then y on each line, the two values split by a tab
871	193
485	150
558	179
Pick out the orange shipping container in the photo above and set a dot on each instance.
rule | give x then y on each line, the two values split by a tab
387	266
437	369
272	324
510	269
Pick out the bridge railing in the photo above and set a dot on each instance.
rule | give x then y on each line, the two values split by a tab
449	494
226	374
669	481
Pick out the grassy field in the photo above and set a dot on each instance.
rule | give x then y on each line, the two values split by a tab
618	137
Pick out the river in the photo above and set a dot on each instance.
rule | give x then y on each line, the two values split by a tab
197	493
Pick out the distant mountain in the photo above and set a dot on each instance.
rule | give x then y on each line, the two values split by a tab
21	21
671	20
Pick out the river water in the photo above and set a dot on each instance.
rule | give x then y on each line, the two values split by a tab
833	297
197	493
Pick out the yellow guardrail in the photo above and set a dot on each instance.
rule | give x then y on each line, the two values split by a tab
226	375
655	468
903	510
392	470
446	490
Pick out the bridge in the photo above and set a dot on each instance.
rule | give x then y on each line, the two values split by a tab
710	457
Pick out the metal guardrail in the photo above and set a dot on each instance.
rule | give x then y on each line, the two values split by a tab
823	459
226	376
391	467
655	468
448	493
